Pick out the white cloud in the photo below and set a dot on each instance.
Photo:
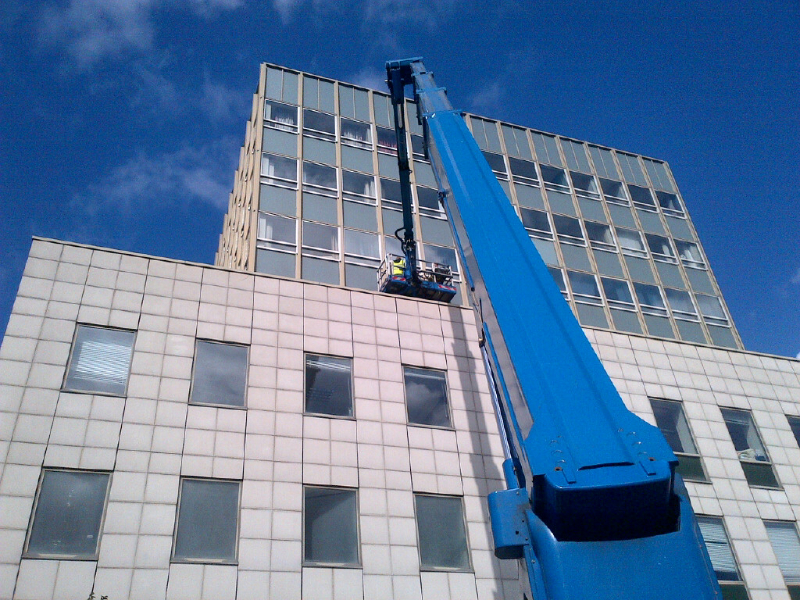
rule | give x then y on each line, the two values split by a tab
488	99
371	78
381	12
92	30
795	279
189	175
222	103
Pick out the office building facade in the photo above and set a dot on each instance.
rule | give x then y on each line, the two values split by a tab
176	430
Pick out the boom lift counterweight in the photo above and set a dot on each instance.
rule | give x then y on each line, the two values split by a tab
594	508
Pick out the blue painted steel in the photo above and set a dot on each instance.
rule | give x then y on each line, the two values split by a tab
607	519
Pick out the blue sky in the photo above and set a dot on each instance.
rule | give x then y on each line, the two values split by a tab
122	121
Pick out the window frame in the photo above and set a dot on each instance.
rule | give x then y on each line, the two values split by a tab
310	563
614	303
737	582
210	561
280	125
448	404
37	499
348	140
352	415
581	298
277	245
72	390
320	134
794	585
281	182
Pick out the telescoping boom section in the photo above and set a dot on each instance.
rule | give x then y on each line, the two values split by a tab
594	508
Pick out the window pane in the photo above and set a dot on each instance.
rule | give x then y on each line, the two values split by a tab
546	148
558	277
330	532
719	548
599	233
361	244
428	198
641	196
220	374
603	162
523	169
318	121
390	190
442	536
277	229
710	306
554	176
629	239
583	183
356	183
278	169
786	544
496	162
329	385
631	168
568	227
68	514
659	245
535	219
426	397
613	189
669	202
207	520
649	295
681	303
794	423
673	425
583	284
320	236
281	114
101	360
617	290
443	256
353	130
319	175
387	138
744	435
576	155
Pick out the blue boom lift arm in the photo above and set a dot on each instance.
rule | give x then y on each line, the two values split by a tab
594	508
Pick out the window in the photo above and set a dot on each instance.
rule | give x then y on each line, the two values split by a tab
485	133
672	422
280	116
281	85
279	170
358	187
329	387
600	235
794	423
603	162
537	222
631	169
575	154
631	242
584	287
281	231
658	174
681	304
523	170
690	254
319	176
428	200
220	374
558	276
354	103
390	193
68	513
546	148
614	192
555	179
497	163
361	247
426	397
618	293
320	237
319	124
650	299
442	256
356	133
387	139
585	185
749	448
711	308
642	197
516	142
330	526
100	360
418	146
568	229
786	545
661	248
208	521
442	533
722	558
670	204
